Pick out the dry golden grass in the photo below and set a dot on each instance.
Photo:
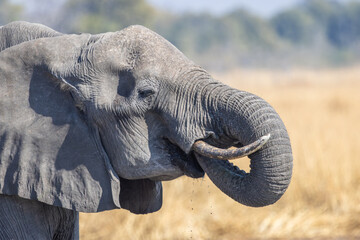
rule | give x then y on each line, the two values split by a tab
321	110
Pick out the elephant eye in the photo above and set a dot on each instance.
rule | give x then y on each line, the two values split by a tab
144	93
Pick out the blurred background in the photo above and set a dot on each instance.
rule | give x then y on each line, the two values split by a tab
301	56
277	34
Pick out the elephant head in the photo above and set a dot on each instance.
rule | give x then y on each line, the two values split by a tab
96	122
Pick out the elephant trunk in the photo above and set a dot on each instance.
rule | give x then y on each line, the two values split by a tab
246	118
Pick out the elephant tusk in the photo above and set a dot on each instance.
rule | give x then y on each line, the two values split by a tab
207	150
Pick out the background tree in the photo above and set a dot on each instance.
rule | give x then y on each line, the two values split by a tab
95	16
343	27
9	12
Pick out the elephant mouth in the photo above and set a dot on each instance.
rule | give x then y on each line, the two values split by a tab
189	165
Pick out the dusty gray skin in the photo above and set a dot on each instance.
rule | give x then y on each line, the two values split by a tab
18	32
96	122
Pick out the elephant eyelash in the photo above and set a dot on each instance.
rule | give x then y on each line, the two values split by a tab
145	93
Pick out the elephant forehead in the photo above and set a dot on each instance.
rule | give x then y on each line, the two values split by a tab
143	37
137	46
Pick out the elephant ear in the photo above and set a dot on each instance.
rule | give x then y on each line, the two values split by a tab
49	150
17	32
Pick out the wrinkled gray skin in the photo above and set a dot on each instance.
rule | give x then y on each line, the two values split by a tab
95	122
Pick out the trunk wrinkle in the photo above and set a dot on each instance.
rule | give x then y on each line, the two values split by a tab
246	117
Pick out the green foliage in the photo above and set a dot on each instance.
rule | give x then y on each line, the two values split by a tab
339	23
243	26
293	25
9	12
197	33
343	27
95	16
321	10
223	40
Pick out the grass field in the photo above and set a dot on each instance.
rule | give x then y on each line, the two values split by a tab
321	110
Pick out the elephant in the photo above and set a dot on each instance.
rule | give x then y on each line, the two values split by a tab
90	123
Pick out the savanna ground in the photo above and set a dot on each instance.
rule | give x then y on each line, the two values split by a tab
321	110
